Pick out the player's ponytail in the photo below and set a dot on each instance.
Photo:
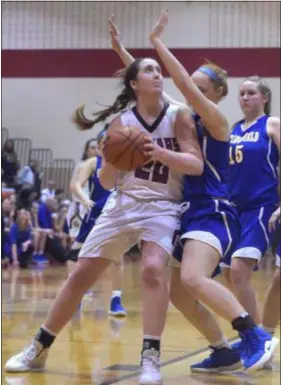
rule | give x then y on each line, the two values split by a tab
122	101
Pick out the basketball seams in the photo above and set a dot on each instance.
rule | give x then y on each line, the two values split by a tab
132	144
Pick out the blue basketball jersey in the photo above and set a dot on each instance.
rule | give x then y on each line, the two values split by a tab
209	217
254	157
213	182
98	195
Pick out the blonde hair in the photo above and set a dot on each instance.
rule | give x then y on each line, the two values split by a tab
264	89
217	75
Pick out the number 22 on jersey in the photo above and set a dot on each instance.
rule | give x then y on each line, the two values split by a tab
236	154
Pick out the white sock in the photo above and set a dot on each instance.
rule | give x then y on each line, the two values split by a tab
148	337
116	293
49	331
223	343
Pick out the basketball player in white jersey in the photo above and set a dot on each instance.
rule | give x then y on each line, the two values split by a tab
144	209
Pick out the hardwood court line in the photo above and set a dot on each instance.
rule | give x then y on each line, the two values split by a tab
165	363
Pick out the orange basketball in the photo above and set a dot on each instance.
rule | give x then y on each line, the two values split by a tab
124	148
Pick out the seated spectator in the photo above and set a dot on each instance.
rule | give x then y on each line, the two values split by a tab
9	164
19	247
61	226
8	213
59	195
49	191
39	239
53	245
4	258
25	197
30	176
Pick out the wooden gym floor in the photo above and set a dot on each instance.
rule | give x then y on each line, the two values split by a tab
97	350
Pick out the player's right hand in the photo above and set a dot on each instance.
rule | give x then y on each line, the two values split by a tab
115	35
275	217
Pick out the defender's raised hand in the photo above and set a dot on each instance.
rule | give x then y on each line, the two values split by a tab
160	26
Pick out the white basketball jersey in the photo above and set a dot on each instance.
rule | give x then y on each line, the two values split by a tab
155	180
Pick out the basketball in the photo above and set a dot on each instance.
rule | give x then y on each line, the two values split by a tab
124	148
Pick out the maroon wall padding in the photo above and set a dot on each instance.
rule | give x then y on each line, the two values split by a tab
80	63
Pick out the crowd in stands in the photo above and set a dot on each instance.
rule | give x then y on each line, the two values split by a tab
33	221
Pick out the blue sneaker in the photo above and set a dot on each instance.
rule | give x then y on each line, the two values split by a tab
116	308
257	348
238	346
220	360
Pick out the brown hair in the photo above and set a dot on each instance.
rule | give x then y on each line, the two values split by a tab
264	89
219	79
126	97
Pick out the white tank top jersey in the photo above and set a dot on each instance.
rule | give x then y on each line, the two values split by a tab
153	181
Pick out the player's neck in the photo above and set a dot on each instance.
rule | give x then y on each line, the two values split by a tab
252	117
149	106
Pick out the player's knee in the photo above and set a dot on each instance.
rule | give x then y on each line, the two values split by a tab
152	274
192	283
240	273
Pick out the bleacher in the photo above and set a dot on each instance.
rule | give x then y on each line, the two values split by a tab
57	169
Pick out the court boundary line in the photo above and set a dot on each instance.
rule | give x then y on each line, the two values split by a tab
164	364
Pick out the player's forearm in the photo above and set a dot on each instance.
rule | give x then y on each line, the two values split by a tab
108	176
125	56
78	193
181	162
178	73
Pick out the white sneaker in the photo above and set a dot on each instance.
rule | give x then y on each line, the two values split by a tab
32	358
269	364
150	368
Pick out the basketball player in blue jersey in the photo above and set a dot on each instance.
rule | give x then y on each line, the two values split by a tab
76	211
93	204
210	225
271	309
253	185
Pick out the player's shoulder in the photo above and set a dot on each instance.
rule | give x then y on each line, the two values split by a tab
273	121
273	126
88	165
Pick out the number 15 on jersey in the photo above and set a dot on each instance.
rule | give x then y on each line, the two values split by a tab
236	154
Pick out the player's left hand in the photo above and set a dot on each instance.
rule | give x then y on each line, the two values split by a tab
275	217
160	26
151	149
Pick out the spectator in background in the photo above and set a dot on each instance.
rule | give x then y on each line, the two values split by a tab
59	195
49	191
8	213
61	226
31	176
39	238
53	245
20	245
4	259
9	164
26	196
